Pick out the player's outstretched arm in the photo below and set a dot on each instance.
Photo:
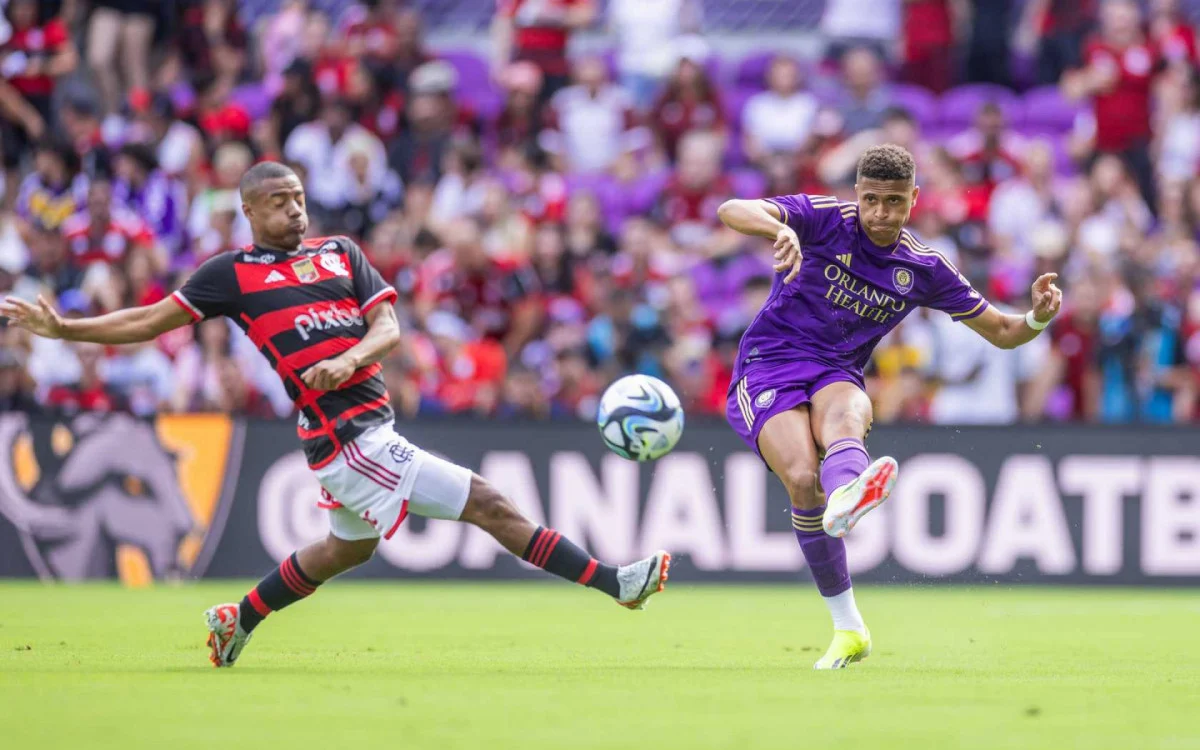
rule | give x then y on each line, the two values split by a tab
759	218
1010	331
129	326
383	334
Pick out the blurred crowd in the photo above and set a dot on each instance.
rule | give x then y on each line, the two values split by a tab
549	217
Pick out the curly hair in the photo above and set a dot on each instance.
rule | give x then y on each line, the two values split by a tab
887	162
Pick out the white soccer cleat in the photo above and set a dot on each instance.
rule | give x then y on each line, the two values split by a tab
851	502
643	579
225	635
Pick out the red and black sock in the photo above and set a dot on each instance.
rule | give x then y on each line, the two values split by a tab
285	585
553	554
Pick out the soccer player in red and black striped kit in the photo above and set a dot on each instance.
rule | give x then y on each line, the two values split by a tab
324	319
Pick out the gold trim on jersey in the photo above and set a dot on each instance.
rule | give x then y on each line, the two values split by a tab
968	312
912	244
783	212
743	397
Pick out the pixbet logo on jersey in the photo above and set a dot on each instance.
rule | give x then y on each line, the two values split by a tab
325	319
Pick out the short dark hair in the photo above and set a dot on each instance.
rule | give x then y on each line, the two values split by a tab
264	170
887	162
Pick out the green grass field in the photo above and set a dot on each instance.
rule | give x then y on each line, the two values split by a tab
550	666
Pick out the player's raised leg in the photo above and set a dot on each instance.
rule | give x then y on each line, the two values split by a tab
631	585
786	444
854	485
297	577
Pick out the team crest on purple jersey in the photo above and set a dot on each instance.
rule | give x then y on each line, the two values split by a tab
902	279
765	399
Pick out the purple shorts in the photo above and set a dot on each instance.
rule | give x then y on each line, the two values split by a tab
769	388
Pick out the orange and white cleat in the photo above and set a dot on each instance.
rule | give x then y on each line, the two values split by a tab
643	579
848	503
225	635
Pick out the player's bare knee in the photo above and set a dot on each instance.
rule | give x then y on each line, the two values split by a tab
846	423
801	483
486	506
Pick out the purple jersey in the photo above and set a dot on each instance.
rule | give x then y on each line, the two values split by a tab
849	292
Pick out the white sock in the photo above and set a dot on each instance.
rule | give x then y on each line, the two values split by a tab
845	611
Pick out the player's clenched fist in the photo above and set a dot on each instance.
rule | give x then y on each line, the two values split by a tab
40	319
787	253
1047	298
328	374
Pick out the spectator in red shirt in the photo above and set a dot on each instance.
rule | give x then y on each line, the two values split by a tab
103	233
90	393
212	41
38	52
1174	37
498	297
370	34
688	204
470	372
1074	342
989	152
1056	28
410	51
538	31
929	42
519	122
688	102
1120	66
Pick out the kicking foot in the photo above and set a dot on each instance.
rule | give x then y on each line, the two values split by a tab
643	579
848	646
851	502
225	635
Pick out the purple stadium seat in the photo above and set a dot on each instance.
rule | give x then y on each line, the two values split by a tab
733	101
472	69
959	105
712	66
486	103
641	196
253	98
752	70
183	97
918	100
748	183
1063	165
1048	111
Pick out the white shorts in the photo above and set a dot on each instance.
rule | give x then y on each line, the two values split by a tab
379	478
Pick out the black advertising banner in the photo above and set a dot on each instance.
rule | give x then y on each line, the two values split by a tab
206	496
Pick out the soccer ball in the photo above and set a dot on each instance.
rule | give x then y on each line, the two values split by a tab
640	418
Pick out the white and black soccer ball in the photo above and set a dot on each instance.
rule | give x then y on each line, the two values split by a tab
640	418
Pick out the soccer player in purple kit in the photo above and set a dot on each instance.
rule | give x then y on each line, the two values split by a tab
845	275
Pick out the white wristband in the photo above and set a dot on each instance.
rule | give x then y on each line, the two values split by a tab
1033	323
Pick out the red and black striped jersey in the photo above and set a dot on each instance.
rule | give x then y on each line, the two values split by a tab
300	308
